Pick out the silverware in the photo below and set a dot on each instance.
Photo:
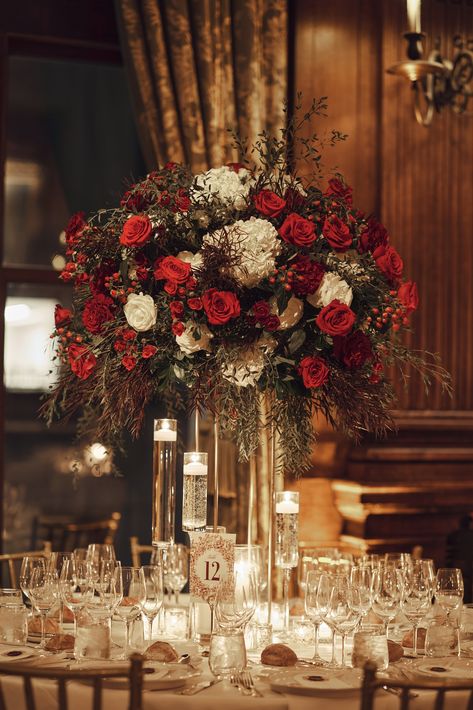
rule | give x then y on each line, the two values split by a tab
198	687
246	683
398	692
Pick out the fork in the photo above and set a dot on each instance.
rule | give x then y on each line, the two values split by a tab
245	679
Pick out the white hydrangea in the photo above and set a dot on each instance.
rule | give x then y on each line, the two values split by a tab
291	314
246	370
189	343
257	242
331	287
229	186
195	260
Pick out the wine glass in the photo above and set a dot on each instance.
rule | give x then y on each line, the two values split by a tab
416	599
153	594
236	602
55	563
361	578
75	586
343	609
175	562
449	589
250	558
28	566
44	593
387	592
80	554
326	584
313	611
96	553
133	595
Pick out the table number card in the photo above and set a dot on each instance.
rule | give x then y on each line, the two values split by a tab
211	563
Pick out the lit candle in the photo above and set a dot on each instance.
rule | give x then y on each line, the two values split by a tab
287	506
413	15
194	495
165	432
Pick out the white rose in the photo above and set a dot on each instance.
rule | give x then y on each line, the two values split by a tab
140	311
195	260
332	287
189	344
291	315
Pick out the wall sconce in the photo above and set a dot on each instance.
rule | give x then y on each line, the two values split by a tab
436	82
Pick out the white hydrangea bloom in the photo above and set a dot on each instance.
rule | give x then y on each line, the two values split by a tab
195	260
258	244
292	313
188	342
246	370
229	186
331	287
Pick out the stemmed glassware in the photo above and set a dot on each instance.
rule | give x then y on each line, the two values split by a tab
153	594
449	589
133	595
44	593
323	603
343	608
362	578
55	563
312	610
236	603
75	586
175	562
416	599
387	592
96	554
28	566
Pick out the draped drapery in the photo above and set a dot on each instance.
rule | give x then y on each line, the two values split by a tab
200	67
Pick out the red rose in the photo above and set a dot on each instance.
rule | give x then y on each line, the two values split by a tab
376	373
354	350
148	351
389	262
128	334
297	230
407	296
137	201
97	311
75	227
170	287
313	370
337	233
336	319
81	360
172	269
220	306
81	279
269	204
261	310
374	235
271	323
119	346
61	315
178	328
195	304
136	231
129	362
182	201
176	308
338	190
308	275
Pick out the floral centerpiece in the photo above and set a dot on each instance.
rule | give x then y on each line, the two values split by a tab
208	290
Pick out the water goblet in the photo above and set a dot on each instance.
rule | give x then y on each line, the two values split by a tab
75	586
153	594
343	609
449	589
387	592
133	595
236	601
325	588
28	565
44	593
313	611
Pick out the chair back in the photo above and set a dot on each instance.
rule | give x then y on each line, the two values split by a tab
134	674
66	534
405	690
10	564
137	551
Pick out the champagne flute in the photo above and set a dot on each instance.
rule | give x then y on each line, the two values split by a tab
153	595
133	595
449	589
175	561
361	578
75	586
313	611
44	593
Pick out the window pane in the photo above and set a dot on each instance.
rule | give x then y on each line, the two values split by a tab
71	144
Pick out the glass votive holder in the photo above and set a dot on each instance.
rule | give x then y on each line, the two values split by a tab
466	631
176	622
13	622
302	630
441	639
227	652
258	635
10	597
199	622
93	636
370	644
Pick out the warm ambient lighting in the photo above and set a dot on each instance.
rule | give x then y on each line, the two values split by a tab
17	313
436	82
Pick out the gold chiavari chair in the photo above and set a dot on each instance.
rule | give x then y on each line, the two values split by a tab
137	550
405	689
11	562
134	674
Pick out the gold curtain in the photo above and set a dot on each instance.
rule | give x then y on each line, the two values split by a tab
199	67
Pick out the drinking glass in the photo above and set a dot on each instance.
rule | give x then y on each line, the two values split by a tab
153	594
306	564
175	562
44	593
449	589
387	592
227	652
55	563
28	565
80	554
362	579
370	560
133	595
416	600
313	611
96	554
75	586
342	610
323	600
236	603
249	558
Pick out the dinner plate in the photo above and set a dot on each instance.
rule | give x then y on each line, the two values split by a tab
318	682
448	668
157	676
15	653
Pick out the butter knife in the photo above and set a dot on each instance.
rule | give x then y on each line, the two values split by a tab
198	687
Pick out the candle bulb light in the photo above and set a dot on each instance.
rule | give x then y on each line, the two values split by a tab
164	481
287	542
194	500
413	15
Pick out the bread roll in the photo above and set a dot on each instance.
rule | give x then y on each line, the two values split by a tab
395	651
277	654
60	642
162	651
51	626
408	639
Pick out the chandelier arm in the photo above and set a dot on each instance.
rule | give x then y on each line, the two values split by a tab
424	119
